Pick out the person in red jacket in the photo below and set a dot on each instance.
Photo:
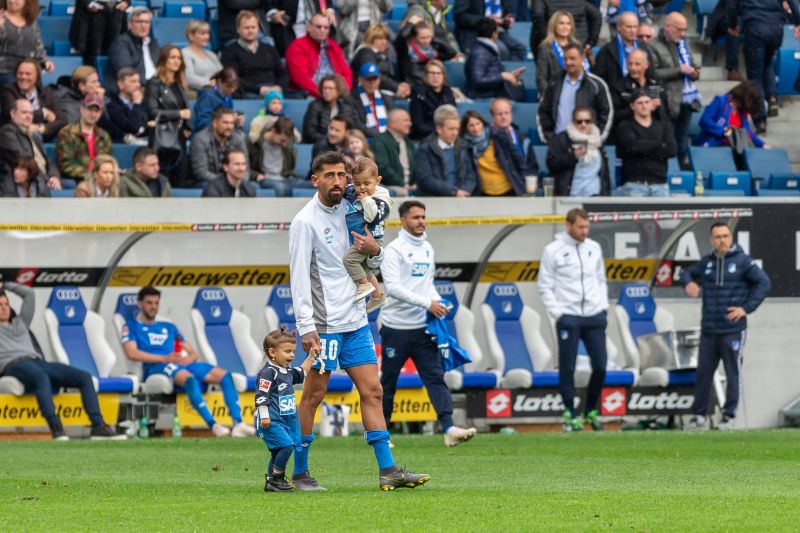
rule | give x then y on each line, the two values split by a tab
314	56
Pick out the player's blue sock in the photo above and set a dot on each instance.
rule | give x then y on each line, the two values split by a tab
231	398
379	440
301	454
282	458
192	388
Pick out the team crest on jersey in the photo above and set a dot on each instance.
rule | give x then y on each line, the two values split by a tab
390	352
264	385
327	235
564	334
287	405
735	345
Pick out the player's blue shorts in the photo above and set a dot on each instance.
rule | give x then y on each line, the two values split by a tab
353	348
281	433
197	369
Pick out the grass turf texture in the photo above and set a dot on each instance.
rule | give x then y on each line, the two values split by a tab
659	481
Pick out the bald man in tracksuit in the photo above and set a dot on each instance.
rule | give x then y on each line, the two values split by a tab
408	270
733	286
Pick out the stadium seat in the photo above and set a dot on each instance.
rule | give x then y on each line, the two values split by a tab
55	34
179	192
642	325
771	170
461	325
731	182
191	9
101	64
124	154
303	193
302	164
521	31
702	9
296	110
397	12
516	346
280	313
77	337
63	193
170	30
528	77
265	193
456	76
250	108
127	308
481	106
786	63
541	158
62	8
223	336
64	67
714	159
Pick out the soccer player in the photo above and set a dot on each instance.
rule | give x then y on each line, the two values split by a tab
331	324
733	286
276	412
152	343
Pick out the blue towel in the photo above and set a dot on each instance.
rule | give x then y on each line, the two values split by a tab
453	355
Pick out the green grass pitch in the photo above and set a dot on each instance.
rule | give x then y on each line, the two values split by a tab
659	481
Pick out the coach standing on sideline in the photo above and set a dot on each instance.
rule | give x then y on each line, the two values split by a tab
733	287
407	269
572	285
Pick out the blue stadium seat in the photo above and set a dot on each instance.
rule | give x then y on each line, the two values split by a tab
524	117
730	182
397	12
460	323
101	64
724	192
481	106
63	193
77	337
192	9
296	110
302	164
170	30
223	336
124	154
64	67
702	9
456	76
787	62
681	182
638	317
788	38
514	339
614	166
777	192
303	193
714	159
62	8
250	108
529	76
279	313
771	169
55	34
521	31
264	193
541	157
178	192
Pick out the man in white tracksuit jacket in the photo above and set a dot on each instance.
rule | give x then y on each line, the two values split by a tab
408	270
332	324
572	286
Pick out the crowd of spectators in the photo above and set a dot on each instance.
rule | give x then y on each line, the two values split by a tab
372	91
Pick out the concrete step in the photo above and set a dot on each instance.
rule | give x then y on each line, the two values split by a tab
710	88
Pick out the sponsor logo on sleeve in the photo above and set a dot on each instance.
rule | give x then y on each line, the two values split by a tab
264	384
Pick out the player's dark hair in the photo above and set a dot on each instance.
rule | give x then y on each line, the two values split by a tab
406	206
277	337
718	224
144	292
326	158
575	213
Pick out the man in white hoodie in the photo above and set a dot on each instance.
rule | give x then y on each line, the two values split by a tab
332	325
572	285
408	269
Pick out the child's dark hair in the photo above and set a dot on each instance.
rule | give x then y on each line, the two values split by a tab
277	337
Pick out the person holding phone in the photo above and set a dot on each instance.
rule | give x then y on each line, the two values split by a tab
577	160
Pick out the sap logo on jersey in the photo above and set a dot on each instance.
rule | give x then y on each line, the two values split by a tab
211	295
287	405
419	269
498	403
284	292
130	299
637	292
505	290
68	294
158	339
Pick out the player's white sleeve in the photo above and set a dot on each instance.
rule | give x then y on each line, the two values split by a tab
602	280
546	283
396	281
301	244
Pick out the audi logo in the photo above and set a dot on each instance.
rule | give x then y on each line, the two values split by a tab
210	295
639	291
130	299
505	290
68	294
284	292
445	289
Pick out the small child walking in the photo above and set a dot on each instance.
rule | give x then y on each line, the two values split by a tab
368	206
276	411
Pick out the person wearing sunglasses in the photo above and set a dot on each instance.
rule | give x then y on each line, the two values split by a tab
577	160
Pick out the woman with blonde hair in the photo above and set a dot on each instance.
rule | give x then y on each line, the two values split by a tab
102	181
166	103
373	49
550	58
201	63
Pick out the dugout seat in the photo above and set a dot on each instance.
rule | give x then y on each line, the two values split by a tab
127	308
461	325
223	337
77	336
279	312
516	347
639	321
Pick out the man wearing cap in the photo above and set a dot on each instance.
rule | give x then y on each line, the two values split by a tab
371	104
79	143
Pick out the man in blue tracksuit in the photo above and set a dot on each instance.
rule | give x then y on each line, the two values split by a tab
762	24
733	286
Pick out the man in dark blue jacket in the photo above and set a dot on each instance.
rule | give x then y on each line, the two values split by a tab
733	286
486	77
438	165
761	23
